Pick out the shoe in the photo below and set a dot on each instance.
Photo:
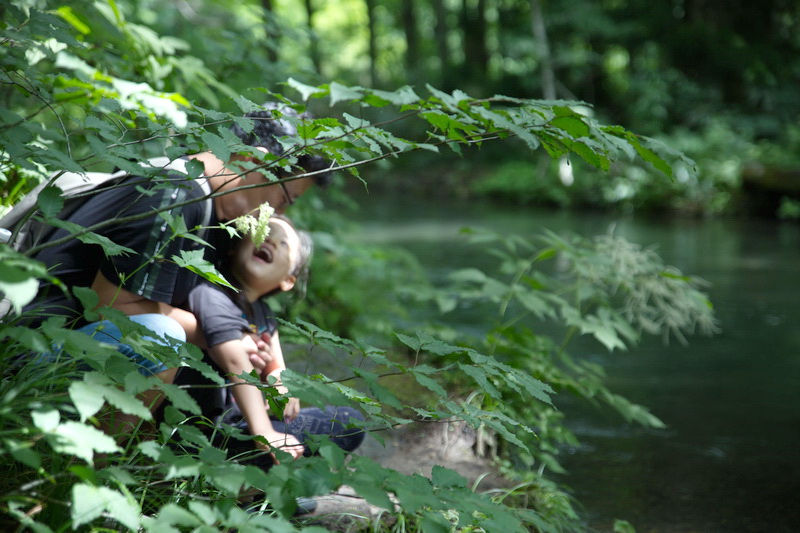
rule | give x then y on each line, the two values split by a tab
305	506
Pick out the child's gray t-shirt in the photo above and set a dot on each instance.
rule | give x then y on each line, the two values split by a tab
221	319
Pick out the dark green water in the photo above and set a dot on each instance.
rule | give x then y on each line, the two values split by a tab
730	458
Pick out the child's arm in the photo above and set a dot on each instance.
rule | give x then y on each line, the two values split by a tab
232	357
271	344
275	369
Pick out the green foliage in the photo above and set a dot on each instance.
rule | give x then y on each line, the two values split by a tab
91	86
606	289
719	149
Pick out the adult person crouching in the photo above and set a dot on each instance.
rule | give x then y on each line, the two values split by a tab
147	285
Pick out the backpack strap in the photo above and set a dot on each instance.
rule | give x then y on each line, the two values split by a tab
179	165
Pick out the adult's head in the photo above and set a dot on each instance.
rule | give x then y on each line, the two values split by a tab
269	135
272	128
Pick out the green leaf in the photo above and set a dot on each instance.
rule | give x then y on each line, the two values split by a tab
23	452
411	342
50	201
46	419
180	398
18	285
573	125
435	346
648	155
85	398
623	526
245	105
413	492
468	275
204	512
402	96
174	515
533	302
89	300
339	93
31	339
67	14
368	479
228	477
194	261
479	375
217	145
594	157
89	503
431	522
80	440
125	401
444	477
306	91
109	247
381	393
504	432
429	383
603	331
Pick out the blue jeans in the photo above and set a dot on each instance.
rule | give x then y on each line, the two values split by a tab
166	332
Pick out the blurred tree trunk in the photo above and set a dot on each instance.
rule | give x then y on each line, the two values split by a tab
412	41
543	46
441	30
312	38
271	29
373	46
473	26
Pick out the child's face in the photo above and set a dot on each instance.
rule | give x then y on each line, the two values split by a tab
268	267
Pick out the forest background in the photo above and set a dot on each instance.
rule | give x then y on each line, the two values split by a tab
710	79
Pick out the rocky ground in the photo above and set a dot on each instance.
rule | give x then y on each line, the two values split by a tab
411	450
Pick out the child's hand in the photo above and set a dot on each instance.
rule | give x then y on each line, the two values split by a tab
259	350
284	442
249	344
291	410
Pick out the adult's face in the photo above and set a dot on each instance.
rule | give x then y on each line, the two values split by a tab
281	195
246	201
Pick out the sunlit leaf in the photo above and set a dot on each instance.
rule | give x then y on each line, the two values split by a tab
19	286
85	398
339	93
403	96
306	91
46	419
89	503
80	440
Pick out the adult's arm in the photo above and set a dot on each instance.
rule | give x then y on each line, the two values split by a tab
131	304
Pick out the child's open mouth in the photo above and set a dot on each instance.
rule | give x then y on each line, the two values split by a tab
263	253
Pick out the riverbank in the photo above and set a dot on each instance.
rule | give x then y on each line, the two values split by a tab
414	449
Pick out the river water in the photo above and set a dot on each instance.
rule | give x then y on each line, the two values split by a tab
729	460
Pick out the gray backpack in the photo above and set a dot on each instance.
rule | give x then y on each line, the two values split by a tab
22	231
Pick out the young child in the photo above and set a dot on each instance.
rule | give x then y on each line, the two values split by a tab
234	324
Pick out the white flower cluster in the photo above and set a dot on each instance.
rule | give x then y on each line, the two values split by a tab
256	228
